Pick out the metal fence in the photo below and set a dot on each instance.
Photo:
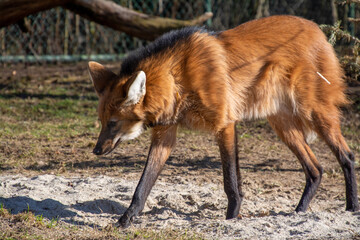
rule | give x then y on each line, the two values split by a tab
61	35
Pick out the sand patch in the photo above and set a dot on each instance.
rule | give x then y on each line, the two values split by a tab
99	201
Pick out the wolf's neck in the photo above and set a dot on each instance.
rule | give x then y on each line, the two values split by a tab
163	99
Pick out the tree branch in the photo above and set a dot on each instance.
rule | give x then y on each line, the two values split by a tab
103	12
343	2
354	19
12	11
136	24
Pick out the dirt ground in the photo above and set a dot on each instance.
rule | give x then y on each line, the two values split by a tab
46	167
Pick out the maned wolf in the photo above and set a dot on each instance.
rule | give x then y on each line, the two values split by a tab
281	68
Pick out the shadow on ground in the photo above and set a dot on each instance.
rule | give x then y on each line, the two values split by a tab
52	209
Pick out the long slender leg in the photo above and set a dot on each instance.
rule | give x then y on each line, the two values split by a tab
238	174
163	140
290	129
313	172
226	141
328	127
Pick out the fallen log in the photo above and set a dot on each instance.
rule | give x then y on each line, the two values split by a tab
106	13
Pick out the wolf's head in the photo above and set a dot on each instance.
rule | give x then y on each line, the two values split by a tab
120	106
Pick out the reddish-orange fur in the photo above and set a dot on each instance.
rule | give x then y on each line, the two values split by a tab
255	70
267	68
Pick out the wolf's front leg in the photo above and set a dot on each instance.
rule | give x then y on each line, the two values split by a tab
163	140
227	141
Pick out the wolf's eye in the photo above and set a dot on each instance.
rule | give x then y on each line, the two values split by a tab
111	124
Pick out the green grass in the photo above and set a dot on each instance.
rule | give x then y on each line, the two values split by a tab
244	135
3	211
47	109
52	223
46	117
46	122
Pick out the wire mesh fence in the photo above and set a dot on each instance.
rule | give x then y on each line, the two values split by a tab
59	34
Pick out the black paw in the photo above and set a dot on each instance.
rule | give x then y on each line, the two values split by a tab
124	221
301	208
352	207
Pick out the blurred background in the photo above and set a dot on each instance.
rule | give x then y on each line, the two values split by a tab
61	35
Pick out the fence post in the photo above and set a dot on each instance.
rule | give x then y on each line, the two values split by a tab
352	15
66	33
208	9
2	39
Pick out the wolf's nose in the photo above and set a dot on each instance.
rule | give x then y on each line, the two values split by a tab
97	150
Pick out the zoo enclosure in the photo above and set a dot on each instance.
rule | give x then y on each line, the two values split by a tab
60	35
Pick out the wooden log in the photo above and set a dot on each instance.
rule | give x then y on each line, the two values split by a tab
356	20
134	23
12	11
107	13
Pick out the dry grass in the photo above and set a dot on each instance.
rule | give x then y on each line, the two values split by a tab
27	225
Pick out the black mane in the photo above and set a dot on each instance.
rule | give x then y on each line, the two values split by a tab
164	42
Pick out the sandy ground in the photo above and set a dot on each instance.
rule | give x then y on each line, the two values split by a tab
99	201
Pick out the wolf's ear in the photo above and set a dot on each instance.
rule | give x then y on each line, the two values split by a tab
135	88
100	76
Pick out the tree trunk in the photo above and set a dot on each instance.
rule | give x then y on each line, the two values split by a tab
334	11
103	12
